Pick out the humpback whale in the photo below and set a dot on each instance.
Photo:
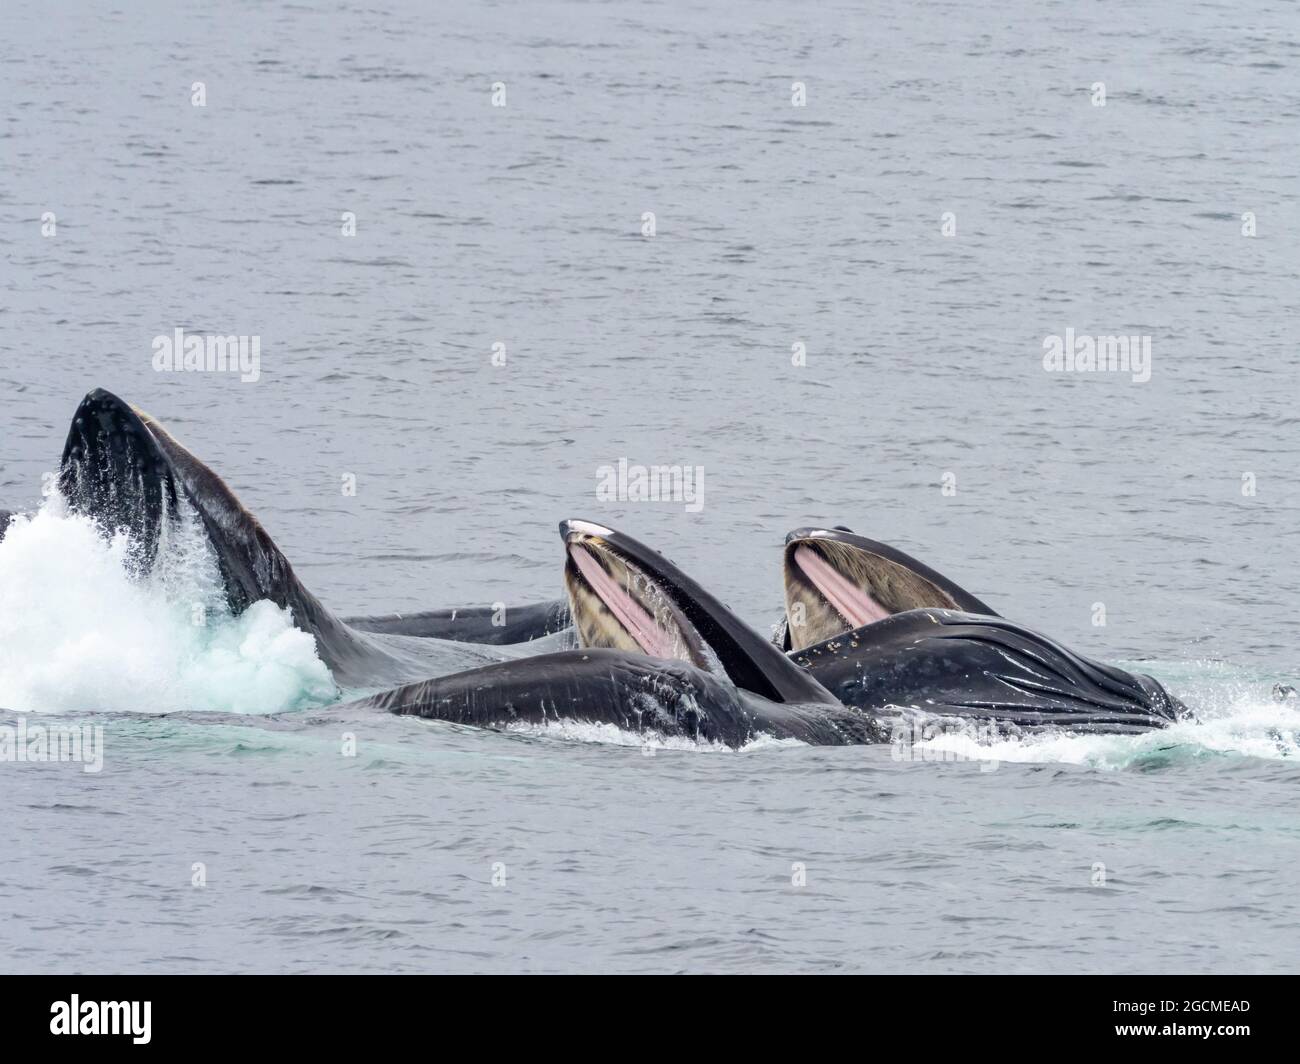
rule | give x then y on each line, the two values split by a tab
659	655
880	628
121	467
626	596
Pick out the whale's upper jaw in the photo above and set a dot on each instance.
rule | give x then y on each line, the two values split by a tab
836	581
114	471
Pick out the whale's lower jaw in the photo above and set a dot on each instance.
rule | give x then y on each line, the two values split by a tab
635	693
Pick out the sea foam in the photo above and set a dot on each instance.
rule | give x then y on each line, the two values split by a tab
79	632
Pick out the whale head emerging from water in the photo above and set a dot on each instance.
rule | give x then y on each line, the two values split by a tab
625	596
125	471
881	630
836	581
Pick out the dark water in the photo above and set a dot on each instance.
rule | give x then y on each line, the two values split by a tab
775	225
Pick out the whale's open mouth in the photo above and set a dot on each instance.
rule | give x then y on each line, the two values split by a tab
832	587
619	604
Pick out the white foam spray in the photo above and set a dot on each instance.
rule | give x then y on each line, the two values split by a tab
78	633
1235	715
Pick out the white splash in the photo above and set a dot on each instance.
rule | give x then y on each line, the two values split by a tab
78	633
1235	717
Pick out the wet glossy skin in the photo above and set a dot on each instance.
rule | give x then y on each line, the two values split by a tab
983	668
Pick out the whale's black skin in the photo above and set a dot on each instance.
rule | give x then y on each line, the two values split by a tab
889	579
122	468
473	624
629	691
5	517
983	668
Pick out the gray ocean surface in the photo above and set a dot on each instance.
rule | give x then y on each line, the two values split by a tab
1173	503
